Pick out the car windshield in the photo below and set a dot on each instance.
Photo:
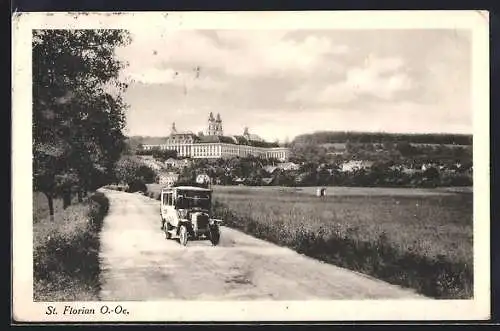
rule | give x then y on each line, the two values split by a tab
193	199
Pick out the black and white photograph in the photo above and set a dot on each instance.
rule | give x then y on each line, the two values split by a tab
250	166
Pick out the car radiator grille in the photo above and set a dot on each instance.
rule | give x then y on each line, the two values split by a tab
202	221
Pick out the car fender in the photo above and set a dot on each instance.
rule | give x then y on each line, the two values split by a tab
185	222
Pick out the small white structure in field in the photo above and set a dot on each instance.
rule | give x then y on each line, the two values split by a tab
321	192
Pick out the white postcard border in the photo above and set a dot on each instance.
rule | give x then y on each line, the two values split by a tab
25	309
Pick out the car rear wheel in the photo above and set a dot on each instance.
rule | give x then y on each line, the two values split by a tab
167	230
183	235
215	236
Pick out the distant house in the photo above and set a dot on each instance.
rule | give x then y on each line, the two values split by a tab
171	162
427	166
288	166
168	178
354	165
239	180
177	164
405	169
152	164
270	169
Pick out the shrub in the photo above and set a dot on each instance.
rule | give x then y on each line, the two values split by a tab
137	185
65	252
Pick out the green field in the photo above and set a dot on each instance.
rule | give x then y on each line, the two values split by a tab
420	238
347	191
436	223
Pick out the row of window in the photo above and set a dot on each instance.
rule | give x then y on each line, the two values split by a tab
213	150
168	199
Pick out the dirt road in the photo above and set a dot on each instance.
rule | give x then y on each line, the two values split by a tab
138	263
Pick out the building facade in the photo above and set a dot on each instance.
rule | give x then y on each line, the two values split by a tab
168	179
214	144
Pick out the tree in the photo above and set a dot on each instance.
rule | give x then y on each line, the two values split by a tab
78	111
129	168
405	148
431	174
163	154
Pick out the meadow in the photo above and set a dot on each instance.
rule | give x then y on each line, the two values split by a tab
415	238
418	238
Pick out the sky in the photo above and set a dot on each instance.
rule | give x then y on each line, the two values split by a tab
284	83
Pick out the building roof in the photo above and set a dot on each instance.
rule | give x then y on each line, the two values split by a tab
270	169
208	139
226	140
240	140
182	134
265	144
215	139
287	164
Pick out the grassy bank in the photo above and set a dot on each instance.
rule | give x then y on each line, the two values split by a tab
41	206
65	252
422	241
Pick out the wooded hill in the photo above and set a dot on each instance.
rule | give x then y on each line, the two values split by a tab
325	137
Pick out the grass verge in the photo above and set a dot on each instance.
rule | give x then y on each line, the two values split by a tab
65	252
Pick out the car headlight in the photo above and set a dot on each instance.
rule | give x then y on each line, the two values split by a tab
182	213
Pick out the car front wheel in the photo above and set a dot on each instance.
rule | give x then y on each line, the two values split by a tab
215	235
183	235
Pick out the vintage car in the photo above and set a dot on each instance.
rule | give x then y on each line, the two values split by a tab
185	213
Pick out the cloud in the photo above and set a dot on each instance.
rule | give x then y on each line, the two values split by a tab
382	78
170	76
261	53
235	53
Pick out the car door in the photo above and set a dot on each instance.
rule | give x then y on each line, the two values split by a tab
163	205
172	216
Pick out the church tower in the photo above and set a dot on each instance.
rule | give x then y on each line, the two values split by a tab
218	126
212	125
173	130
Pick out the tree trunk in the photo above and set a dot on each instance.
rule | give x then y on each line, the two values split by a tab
80	196
50	201
66	199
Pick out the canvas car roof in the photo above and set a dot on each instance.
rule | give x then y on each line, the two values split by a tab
190	188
